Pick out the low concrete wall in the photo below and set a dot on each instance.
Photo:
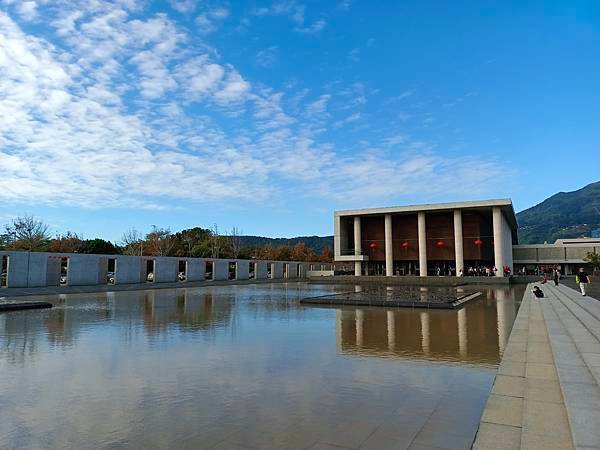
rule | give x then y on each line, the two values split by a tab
260	270
220	269
196	269
39	269
292	270
84	270
165	269
319	273
276	270
242	271
18	264
128	270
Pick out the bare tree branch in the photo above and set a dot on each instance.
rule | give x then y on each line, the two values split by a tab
132	242
235	240
27	233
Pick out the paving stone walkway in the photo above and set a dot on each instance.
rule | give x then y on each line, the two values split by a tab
546	393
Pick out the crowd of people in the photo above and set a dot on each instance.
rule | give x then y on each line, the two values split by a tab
484	271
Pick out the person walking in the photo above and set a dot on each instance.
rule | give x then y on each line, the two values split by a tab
556	276
583	279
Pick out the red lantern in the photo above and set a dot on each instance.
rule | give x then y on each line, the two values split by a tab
440	243
372	245
405	244
478	241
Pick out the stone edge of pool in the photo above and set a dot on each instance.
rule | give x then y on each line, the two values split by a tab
339	300
546	390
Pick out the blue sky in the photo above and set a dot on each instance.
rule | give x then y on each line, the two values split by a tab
268	116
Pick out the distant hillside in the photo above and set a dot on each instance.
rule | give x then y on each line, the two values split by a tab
564	215
317	243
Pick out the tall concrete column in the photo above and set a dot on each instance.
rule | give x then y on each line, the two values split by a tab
422	244
498	240
389	251
357	246
458	241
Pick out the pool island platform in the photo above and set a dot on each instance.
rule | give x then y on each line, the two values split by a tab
546	392
397	297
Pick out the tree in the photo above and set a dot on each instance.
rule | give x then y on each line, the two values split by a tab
215	242
326	255
202	250
301	252
5	240
593	258
160	241
186	240
66	243
132	243
235	242
99	247
27	233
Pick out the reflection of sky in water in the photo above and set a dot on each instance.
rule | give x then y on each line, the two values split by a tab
192	367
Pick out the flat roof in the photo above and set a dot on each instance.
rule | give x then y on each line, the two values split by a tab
504	203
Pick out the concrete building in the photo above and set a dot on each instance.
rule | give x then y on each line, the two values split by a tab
432	239
568	254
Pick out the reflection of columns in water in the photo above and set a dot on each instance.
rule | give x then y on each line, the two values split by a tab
338	330
423	294
360	318
462	332
505	315
391	331
425	332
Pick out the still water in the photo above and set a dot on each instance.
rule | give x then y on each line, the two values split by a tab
246	367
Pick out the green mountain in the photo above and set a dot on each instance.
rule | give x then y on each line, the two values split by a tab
317	243
564	215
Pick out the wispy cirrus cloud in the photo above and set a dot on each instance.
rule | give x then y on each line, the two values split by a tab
117	106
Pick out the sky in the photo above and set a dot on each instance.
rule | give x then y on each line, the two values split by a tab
268	116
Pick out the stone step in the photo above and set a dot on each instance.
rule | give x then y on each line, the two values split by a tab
576	349
590	305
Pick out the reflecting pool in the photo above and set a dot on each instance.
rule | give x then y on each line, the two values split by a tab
246	367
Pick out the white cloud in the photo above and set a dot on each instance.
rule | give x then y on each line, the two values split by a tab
199	76
313	28
396	139
209	21
184	6
267	57
295	12
319	106
234	88
351	118
27	9
135	112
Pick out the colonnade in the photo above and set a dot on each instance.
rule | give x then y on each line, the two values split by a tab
499	242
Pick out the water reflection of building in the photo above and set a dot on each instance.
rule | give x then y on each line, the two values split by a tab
476	333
